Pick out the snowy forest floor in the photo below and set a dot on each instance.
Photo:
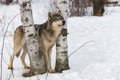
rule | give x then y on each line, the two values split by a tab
98	60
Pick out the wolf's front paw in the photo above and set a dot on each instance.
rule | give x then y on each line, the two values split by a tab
26	67
10	67
28	74
51	71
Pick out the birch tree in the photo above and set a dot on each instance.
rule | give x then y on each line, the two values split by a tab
35	51
53	6
62	62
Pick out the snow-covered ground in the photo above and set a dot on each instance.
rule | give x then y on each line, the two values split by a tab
97	60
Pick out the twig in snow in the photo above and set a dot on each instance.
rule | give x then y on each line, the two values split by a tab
46	76
0	21
4	42
7	50
11	75
80	47
4	60
38	78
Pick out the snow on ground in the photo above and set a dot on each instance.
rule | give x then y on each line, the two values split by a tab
97	60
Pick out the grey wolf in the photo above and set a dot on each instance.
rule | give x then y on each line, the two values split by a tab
48	32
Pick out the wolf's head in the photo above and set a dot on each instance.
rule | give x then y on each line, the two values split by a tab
56	21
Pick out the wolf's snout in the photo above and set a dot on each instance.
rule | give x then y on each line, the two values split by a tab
63	22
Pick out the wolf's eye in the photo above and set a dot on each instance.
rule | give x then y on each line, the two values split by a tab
57	18
60	18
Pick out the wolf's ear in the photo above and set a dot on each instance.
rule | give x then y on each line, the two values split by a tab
49	15
59	12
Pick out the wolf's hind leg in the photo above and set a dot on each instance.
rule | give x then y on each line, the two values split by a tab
16	51
23	57
18	45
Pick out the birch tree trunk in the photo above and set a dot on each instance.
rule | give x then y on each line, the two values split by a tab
34	46
62	62
53	6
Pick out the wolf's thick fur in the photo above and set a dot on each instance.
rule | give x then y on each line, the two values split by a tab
47	32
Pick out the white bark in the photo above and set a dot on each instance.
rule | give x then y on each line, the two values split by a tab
35	51
61	44
53	6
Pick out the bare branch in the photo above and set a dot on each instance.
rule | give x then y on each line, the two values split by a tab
80	47
3	43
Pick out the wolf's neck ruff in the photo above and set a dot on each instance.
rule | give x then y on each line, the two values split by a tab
49	33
